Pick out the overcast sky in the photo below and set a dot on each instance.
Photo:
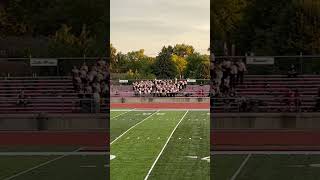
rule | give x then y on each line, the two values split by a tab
151	24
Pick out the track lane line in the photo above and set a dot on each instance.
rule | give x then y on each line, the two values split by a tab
121	114
38	166
133	127
235	175
165	145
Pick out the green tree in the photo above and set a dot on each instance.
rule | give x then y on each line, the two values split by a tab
267	28
113	59
163	66
64	43
226	16
198	66
183	50
180	63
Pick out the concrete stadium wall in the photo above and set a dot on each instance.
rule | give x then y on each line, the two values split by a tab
29	122
265	120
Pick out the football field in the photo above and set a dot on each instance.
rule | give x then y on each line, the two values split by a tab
51	163
266	165
160	144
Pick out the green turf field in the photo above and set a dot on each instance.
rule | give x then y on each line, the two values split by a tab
56	167
162	144
51	163
266	167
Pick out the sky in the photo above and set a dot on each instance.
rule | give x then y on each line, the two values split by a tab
152	24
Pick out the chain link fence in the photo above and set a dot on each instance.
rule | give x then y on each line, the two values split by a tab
60	67
279	65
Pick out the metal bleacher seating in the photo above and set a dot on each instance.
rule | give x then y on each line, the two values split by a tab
44	94
269	92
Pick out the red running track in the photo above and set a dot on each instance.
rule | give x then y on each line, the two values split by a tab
265	140
55	138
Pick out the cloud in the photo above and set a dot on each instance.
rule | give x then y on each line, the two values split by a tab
151	24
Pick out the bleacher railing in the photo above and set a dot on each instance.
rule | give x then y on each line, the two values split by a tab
265	104
130	81
60	105
180	94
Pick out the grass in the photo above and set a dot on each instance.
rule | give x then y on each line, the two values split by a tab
137	150
266	167
29	167
70	167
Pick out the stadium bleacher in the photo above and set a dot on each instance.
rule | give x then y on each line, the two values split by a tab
191	90
270	93
44	94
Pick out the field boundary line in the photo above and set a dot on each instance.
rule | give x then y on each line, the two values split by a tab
235	175
134	127
265	152
38	166
52	153
122	114
165	109
165	145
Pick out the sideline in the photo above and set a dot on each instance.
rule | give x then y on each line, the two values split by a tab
122	114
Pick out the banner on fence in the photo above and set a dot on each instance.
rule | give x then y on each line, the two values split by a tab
123	81
43	62
191	80
260	60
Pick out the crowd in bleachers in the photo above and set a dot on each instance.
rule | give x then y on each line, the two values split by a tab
159	88
89	80
92	82
226	76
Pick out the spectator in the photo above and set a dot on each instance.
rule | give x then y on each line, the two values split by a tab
241	70
219	75
233	75
75	71
84	67
22	99
226	86
290	100
91	83
159	87
292	72
243	107
226	69
96	101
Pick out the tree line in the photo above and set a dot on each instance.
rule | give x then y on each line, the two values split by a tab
69	28
265	27
179	61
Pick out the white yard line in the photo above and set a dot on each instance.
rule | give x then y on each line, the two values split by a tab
133	127
154	163
35	167
38	166
241	167
121	114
